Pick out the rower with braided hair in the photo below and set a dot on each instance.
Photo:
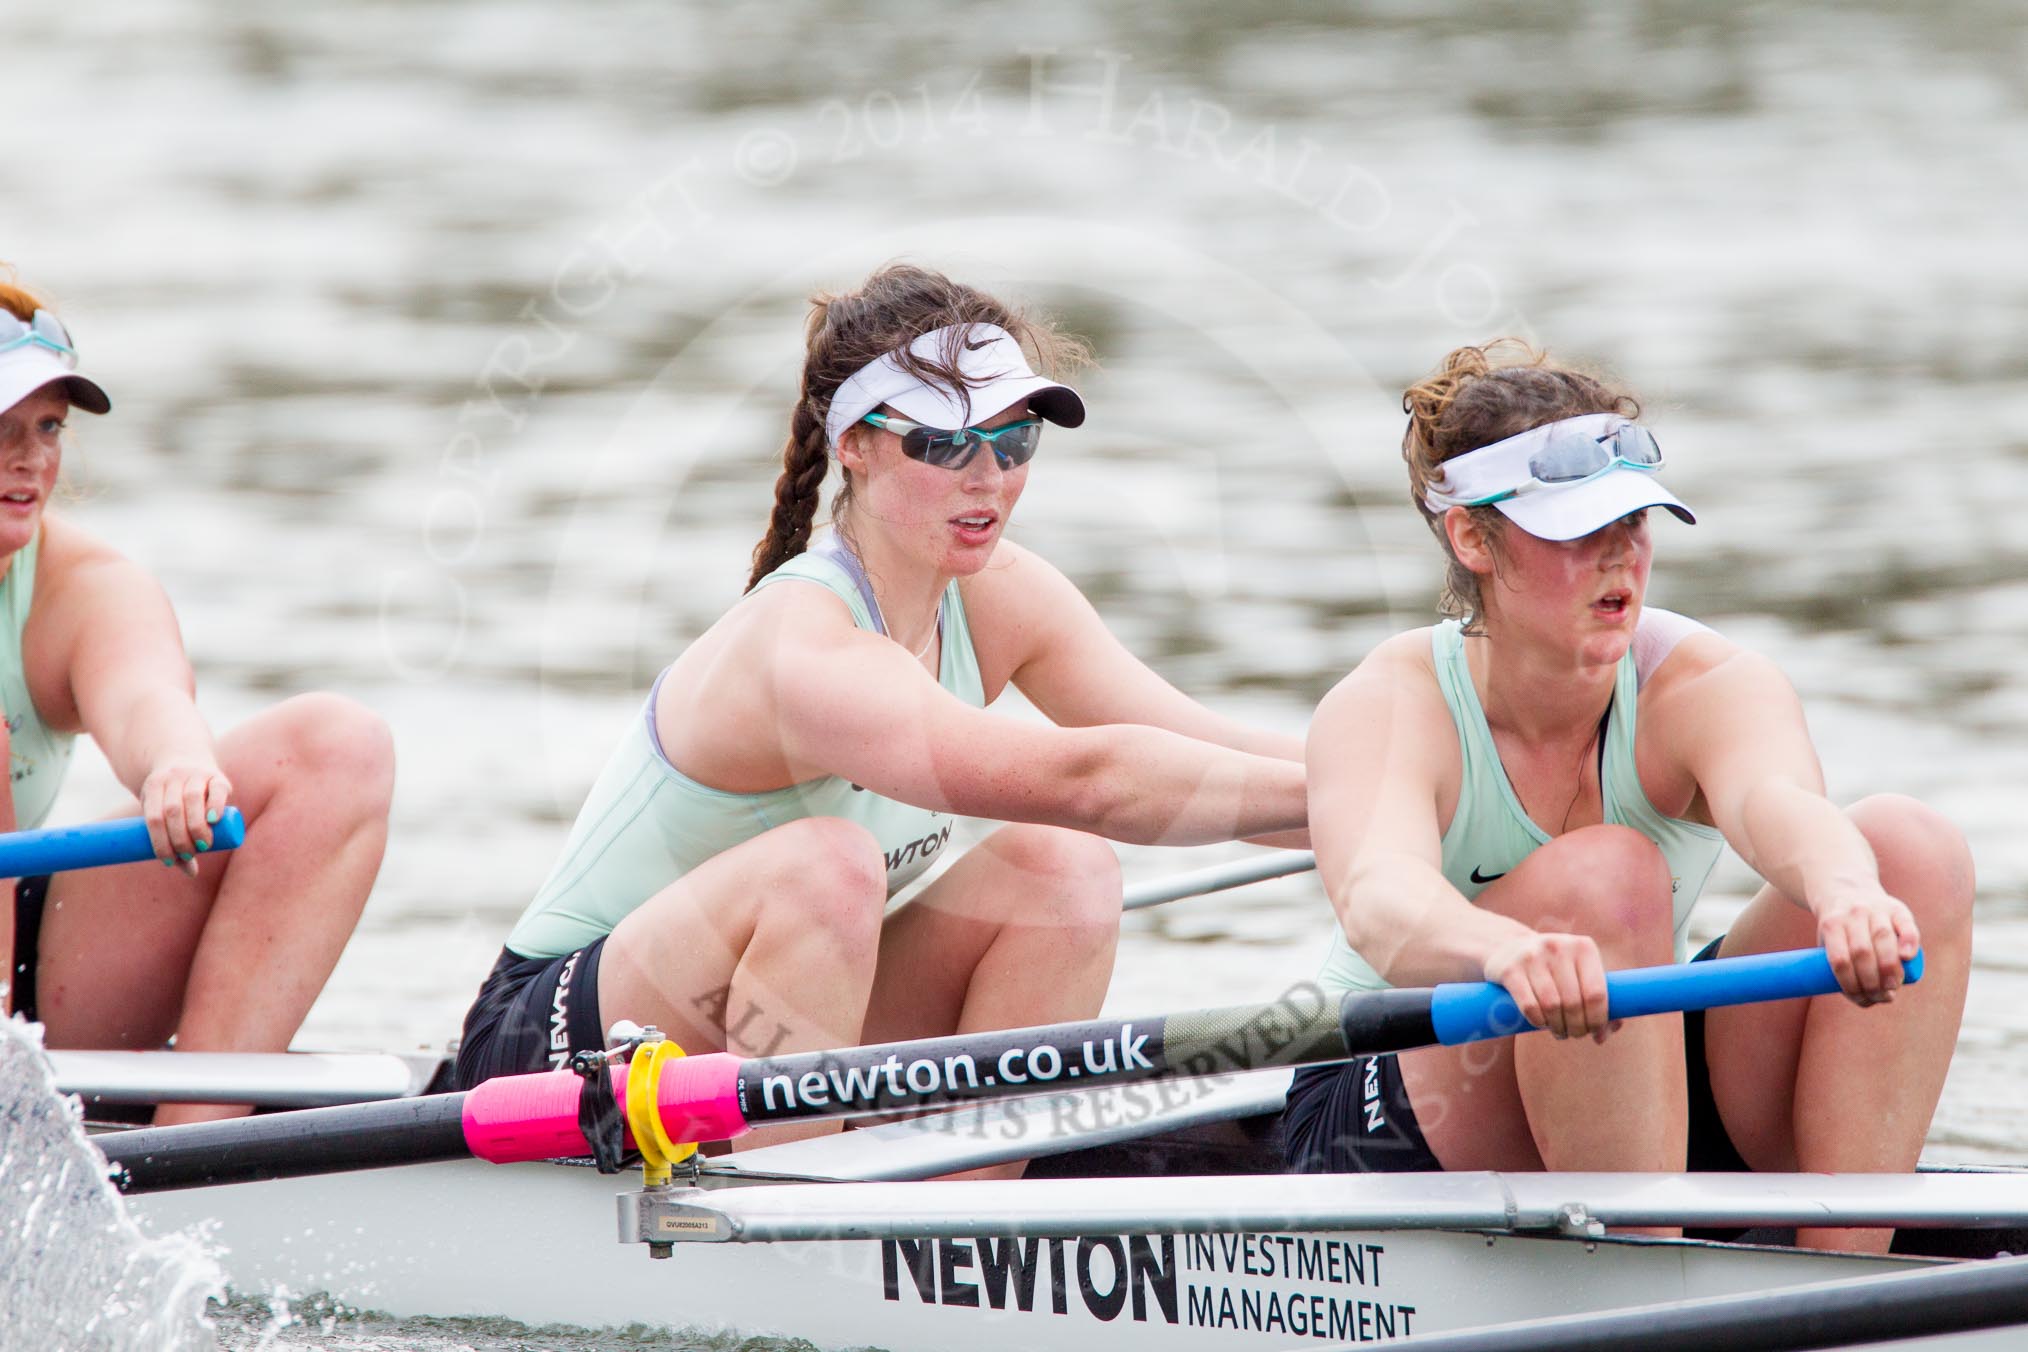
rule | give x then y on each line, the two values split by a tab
803	759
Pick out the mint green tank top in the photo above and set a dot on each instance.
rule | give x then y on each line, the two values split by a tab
646	823
39	755
1490	833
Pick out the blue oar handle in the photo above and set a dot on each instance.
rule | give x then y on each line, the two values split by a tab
57	849
1476	1010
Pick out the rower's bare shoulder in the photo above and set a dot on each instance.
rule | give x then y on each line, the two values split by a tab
1707	666
787	621
1382	736
1710	697
719	708
1393	691
93	606
70	553
1400	666
82	582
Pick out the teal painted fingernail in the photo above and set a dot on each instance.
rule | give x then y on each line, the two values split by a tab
211	817
186	858
203	845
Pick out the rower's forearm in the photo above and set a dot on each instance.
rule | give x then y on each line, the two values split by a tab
1159	788
1415	929
1800	842
1259	741
158	728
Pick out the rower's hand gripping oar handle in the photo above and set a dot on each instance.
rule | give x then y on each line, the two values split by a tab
1477	1010
58	849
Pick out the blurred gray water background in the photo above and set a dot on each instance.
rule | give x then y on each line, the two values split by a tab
452	344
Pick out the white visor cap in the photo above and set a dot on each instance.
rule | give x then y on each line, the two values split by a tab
1551	511
1568	513
996	376
28	368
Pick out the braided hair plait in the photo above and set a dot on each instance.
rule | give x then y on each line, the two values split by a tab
805	459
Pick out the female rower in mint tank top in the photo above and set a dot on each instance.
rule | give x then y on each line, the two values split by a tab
1537	795
222	952
802	759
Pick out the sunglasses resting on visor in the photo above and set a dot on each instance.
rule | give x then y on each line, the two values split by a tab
44	330
1571	456
1012	445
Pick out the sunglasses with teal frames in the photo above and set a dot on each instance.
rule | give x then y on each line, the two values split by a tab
1569	458
43	330
1012	445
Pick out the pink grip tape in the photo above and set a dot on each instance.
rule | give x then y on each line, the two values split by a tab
529	1117
699	1098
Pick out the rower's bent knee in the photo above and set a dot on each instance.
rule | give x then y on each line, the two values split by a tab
1073	877
342	742
1924	859
1610	882
836	871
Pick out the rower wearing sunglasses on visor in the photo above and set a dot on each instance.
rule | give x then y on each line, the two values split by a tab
221	952
1535	791
805	757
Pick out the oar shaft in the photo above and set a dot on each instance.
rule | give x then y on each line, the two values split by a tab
1218	878
58	849
1303	1027
717	1096
270	1079
288	1145
1960	1298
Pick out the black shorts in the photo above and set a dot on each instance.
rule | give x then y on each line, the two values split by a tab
1355	1116
532	1014
30	896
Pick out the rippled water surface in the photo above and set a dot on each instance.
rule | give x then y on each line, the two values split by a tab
452	343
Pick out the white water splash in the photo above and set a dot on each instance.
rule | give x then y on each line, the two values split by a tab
79	1275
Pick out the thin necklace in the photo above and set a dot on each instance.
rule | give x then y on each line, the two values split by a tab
935	629
873	599
923	651
1583	758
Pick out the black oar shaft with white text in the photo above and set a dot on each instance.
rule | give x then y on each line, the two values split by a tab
717	1096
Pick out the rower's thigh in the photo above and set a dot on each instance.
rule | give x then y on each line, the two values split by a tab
1053	890
1751	1052
819	884
1754	1052
1468	1105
